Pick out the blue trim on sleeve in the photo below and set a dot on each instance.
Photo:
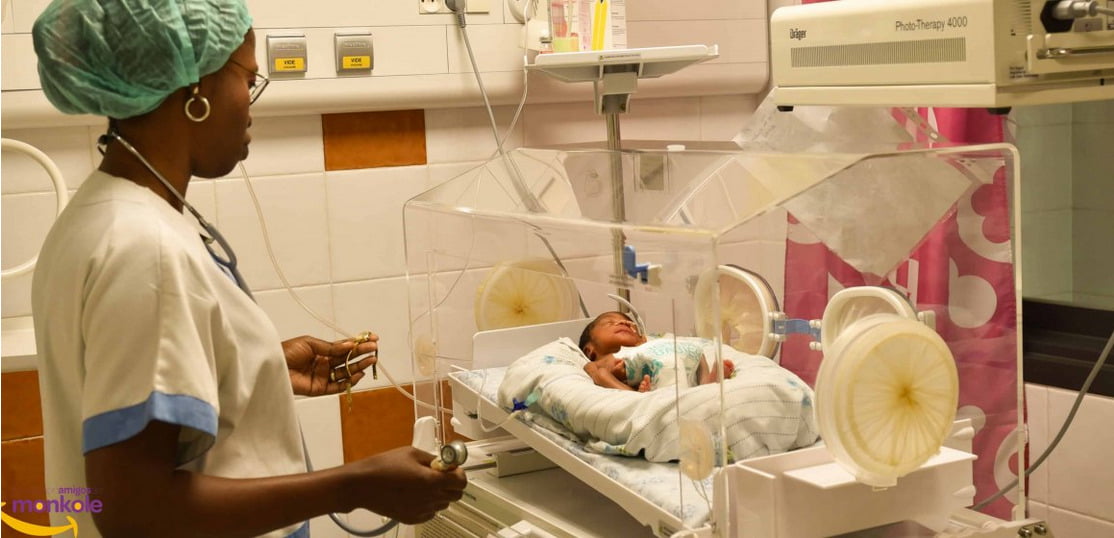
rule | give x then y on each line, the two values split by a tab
302	532
119	425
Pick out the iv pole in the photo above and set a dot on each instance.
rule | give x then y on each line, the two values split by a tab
614	75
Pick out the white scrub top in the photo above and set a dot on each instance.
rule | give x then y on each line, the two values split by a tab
134	322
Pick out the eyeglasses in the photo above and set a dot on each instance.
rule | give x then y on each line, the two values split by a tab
257	88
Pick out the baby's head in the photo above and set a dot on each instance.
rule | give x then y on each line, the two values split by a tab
609	332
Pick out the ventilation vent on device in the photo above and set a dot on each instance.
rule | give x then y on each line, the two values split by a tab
953	49
1022	23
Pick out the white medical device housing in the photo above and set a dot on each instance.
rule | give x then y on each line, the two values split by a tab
960	53
507	251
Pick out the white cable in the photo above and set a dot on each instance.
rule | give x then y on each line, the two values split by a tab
528	198
290	289
479	406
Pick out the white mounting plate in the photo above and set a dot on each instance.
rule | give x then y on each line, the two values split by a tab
652	62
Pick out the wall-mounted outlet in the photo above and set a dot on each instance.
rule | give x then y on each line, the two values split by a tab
431	6
438	6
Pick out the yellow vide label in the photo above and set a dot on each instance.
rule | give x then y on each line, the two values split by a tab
290	64
356	62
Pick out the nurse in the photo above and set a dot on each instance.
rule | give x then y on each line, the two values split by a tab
166	390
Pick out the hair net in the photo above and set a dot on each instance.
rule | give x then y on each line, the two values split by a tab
122	58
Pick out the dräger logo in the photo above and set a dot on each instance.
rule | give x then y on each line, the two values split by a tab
798	34
78	502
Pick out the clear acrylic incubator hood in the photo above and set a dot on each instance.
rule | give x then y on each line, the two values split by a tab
845	268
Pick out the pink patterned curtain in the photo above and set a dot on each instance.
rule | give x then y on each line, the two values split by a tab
963	271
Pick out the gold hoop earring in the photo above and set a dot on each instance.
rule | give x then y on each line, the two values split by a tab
205	102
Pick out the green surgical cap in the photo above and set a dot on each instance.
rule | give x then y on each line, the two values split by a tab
122	58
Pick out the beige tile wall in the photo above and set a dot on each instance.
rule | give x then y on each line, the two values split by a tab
1067	196
1074	488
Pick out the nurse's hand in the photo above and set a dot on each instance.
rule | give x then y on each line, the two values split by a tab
400	484
317	367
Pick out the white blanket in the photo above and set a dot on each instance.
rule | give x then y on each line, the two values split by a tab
768	409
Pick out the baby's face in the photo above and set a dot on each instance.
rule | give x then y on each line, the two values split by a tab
613	330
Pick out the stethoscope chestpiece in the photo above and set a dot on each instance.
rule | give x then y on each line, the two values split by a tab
452	455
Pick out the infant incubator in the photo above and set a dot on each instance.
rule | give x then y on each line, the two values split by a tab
849	268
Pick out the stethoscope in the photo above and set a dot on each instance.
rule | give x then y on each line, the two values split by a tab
228	261
451	456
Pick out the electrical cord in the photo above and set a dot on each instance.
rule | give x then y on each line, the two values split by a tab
1063	429
528	198
290	289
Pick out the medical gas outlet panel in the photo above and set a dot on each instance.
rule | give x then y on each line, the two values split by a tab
288	54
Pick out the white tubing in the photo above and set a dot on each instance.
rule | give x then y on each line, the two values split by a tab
61	194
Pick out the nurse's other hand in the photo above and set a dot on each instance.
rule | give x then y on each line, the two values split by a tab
317	367
400	484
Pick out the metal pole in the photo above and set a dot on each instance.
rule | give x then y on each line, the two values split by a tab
618	197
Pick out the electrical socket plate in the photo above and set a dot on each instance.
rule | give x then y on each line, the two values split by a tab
438	6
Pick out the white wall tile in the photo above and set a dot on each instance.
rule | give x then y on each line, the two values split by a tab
26	220
464	134
1081	478
440	173
1037	420
723	116
1028	116
675	119
365	219
405	12
1093	111
739	40
409	50
68	147
1092	255
1092	169
283	145
7	25
493	46
294	211
1046	167
1046	251
379	306
19	70
292	320
564	123
24	13
1068	524
703	10
320	421
267	14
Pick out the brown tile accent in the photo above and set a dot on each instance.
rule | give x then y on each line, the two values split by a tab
374	139
381	419
19	403
21	476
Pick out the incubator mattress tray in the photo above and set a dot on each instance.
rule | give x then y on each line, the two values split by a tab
656	494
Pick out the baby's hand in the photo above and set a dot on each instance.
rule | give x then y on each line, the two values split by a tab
644	386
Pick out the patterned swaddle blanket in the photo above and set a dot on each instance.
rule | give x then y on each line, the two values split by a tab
768	409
